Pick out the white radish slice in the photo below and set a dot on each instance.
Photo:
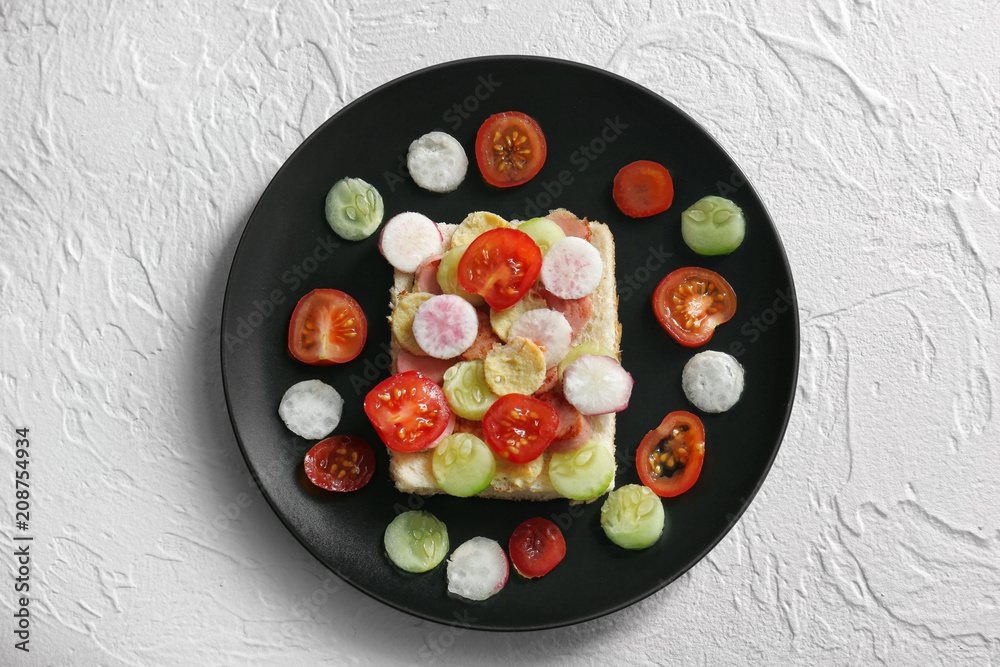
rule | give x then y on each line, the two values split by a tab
408	239
572	268
445	326
712	381
548	329
311	409
596	385
437	162
477	569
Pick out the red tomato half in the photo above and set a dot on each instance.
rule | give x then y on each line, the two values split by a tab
691	302
328	327
519	427
669	459
510	149
501	265
536	547
643	189
340	463
408	410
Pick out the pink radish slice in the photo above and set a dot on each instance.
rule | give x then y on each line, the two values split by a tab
477	569
433	368
448	430
445	326
425	277
576	311
572	268
408	239
597	385
547	329
570	224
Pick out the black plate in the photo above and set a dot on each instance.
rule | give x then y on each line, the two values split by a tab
595	123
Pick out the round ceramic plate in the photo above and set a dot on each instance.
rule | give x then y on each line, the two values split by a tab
594	123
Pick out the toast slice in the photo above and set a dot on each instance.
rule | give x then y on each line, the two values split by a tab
411	472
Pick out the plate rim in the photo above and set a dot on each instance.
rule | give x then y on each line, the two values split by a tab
796	335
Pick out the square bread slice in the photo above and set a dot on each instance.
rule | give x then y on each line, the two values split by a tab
411	472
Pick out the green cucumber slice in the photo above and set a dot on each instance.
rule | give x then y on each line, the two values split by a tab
416	541
463	465
713	226
354	209
585	348
584	473
543	232
632	517
466	390
447	276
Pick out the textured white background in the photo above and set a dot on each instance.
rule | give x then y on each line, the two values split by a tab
137	137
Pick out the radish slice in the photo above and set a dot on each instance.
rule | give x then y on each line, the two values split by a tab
425	277
478	569
597	385
445	326
311	409
408	239
448	430
548	329
572	268
433	368
437	162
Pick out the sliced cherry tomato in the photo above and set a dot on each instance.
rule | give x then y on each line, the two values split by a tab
501	265
536	547
519	427
643	188
408	410
691	302
669	459
510	149
328	327
340	463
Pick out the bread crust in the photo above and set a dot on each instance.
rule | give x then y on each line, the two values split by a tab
411	471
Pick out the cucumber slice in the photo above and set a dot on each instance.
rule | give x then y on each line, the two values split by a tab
463	465
416	541
354	209
583	474
713	226
585	348
447	276
632	517
466	390
543	232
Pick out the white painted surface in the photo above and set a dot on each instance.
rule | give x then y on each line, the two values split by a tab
136	141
